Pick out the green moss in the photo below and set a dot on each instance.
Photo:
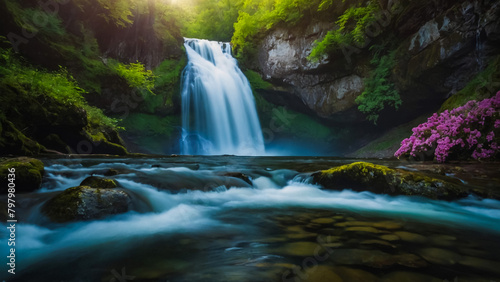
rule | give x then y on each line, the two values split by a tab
363	176
256	81
64	207
291	123
99	182
28	172
13	141
483	85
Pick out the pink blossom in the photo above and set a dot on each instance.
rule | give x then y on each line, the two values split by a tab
474	124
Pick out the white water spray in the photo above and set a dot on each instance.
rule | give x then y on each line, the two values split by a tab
218	108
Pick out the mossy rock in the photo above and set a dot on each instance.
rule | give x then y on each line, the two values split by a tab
99	182
86	203
28	174
363	176
13	141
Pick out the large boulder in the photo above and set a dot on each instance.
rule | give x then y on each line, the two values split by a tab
363	176
85	203
27	175
99	182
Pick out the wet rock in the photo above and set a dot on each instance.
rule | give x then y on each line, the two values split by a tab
239	175
352	274
410	260
362	229
443	240
371	258
375	258
411	237
379	243
440	256
86	203
111	172
399	276
28	174
363	176
99	182
389	237
302	249
481	264
323	220
321	273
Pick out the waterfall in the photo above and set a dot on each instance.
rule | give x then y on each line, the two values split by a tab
218	108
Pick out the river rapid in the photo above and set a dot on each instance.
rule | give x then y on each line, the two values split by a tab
195	221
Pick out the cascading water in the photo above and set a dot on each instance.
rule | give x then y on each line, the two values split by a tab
218	108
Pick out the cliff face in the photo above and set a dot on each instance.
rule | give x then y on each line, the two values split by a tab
439	45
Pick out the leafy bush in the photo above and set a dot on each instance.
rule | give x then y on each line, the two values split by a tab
59	85
379	90
135	74
472	130
256	81
256	17
351	29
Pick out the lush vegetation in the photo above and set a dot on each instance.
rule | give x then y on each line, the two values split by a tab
38	83
256	17
379	91
352	26
472	130
135	74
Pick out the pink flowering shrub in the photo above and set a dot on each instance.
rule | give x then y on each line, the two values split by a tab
472	130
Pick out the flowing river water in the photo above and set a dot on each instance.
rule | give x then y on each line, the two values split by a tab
195	221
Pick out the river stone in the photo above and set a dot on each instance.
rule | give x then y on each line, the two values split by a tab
389	237
99	182
377	242
362	229
399	276
324	220
443	240
371	258
28	174
410	260
440	256
363	176
239	175
387	225
302	249
86	203
481	264
321	273
410	237
352	274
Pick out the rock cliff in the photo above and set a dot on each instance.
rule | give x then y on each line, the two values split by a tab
440	46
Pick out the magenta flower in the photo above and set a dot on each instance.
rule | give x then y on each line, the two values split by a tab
467	131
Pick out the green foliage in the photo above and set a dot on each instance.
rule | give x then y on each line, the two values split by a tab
118	12
483	85
257	17
213	19
35	20
59	85
256	81
379	90
351	29
135	74
168	73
